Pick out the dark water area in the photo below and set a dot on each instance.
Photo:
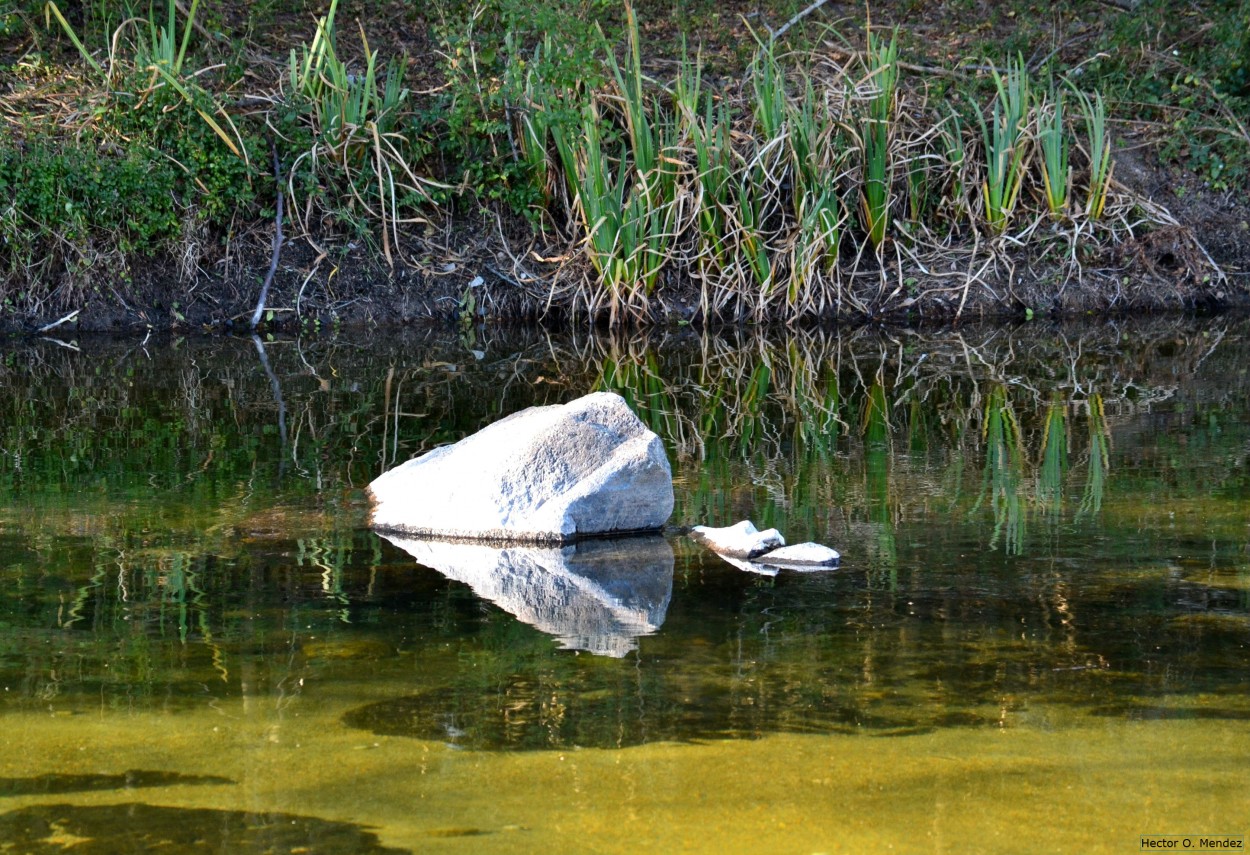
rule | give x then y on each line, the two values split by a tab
1045	535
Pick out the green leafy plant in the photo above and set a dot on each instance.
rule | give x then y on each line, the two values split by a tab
512	69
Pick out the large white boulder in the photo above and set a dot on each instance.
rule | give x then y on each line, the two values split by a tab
543	475
598	595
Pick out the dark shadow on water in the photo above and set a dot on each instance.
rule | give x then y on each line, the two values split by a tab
515	717
1134	712
53	783
133	828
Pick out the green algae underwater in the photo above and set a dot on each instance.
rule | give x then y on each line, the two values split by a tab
1038	640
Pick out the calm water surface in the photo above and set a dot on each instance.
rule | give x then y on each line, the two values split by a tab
1039	638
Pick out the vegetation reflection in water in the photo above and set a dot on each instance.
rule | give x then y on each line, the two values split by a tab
1039	527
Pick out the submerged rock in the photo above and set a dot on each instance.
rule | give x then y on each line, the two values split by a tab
740	540
543	475
597	595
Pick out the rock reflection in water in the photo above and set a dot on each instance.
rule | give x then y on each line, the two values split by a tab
596	595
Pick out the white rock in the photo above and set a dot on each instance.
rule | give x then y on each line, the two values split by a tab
543	475
801	556
741	540
596	595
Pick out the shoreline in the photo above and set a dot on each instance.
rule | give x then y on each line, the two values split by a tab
609	178
360	292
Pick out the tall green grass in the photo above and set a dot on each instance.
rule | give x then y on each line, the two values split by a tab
1052	136
354	120
1098	152
1006	144
881	80
161	53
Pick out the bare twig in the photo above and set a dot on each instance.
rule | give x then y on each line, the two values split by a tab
781	31
63	320
277	244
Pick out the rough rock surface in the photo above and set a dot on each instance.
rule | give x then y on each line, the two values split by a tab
543	475
740	540
597	595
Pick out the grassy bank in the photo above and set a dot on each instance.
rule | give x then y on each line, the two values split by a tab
690	163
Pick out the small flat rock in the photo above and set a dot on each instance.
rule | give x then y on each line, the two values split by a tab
801	556
740	540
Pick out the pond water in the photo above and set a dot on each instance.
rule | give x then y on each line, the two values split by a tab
1038	640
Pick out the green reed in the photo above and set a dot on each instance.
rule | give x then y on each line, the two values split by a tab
757	204
876	129
815	201
343	103
1006	144
1098	142
715	168
537	116
1052	137
600	195
688	92
919	184
952	146
768	86
752	212
630	212
354	120
653	138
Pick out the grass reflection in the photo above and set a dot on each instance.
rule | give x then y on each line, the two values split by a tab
1004	472
940	416
1098	460
1053	466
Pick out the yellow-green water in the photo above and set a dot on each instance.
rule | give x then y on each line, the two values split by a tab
1038	640
1053	785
